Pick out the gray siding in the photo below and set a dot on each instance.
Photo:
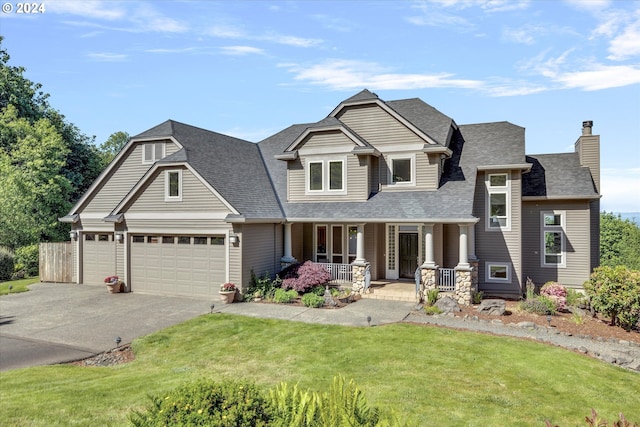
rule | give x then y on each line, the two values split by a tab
499	246
122	179
594	207
577	243
261	250
450	243
177	225
196	197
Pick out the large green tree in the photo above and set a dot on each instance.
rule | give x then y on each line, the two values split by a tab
619	242
34	191
76	164
112	146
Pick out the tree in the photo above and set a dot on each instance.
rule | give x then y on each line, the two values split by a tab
112	146
33	190
619	242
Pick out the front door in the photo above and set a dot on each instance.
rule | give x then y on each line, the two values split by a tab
408	255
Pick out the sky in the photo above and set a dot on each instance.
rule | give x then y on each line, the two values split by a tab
252	68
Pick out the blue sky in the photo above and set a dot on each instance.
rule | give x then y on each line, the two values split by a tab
252	68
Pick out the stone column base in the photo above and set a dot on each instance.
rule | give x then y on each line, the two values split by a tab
358	277
428	281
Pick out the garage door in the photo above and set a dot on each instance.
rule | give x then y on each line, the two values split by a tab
178	265
98	257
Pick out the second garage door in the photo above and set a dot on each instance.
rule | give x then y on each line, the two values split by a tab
178	265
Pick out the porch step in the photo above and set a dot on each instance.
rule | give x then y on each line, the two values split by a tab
392	292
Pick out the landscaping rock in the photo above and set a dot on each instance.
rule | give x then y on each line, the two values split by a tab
494	307
448	305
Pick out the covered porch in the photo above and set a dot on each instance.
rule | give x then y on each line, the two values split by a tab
392	260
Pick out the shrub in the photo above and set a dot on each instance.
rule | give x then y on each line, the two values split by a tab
207	403
305	277
29	256
432	309
432	296
263	286
312	300
615	292
7	263
283	297
539	305
477	297
555	292
575	298
318	290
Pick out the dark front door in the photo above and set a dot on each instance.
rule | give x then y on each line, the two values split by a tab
408	255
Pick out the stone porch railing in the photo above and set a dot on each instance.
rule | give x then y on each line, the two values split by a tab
466	283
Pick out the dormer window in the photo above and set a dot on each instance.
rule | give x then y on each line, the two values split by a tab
152	152
325	176
402	170
498	202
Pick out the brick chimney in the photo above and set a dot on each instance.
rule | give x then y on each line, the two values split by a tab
588	149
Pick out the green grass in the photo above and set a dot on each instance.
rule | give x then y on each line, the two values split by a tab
17	285
426	375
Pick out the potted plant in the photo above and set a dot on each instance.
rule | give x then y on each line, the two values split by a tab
114	284
228	292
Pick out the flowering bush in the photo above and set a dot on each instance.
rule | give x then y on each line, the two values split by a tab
111	279
227	287
615	292
305	277
556	292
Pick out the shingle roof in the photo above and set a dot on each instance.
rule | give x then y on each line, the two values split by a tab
498	143
232	166
426	118
558	175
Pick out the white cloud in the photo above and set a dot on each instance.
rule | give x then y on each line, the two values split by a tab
241	50
599	77
349	74
107	57
87	9
290	40
619	189
487	5
626	44
231	32
226	32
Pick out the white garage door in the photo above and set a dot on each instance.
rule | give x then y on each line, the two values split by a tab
98	257
178	265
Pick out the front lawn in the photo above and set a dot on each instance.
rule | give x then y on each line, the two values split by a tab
427	375
17	285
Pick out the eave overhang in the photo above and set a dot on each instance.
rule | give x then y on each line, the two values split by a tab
114	218
521	166
287	156
468	221
554	198
241	219
70	219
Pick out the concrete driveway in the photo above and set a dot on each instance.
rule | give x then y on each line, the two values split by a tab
56	323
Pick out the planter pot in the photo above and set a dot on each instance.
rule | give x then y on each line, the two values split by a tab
228	297
114	287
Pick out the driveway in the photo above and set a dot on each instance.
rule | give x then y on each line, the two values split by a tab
56	323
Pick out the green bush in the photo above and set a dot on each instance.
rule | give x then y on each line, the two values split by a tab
318	290
575	298
263	286
282	296
432	309
29	256
615	292
312	300
432	296
539	305
7	263
207	403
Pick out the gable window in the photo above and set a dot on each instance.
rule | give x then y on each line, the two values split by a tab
498	201
498	272
325	176
553	239
152	152
401	170
173	186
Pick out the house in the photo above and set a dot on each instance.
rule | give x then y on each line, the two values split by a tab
377	190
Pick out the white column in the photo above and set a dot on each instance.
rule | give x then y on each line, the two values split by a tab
287	243
360	245
472	242
463	260
428	246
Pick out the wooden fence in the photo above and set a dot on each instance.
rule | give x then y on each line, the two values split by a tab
56	263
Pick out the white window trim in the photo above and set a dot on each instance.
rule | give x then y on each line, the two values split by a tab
390	159
503	189
167	197
553	228
326	183
153	152
334	254
490	279
326	252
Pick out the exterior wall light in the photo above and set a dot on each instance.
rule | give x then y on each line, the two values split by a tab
73	235
118	237
233	238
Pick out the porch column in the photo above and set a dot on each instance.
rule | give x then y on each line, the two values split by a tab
429	260
287	259
472	242
463	258
360	245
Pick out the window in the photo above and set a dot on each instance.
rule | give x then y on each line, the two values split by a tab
498	272
321	243
103	237
173	186
152	152
336	247
553	239
168	240
353	243
401	170
89	237
184	240
499	201
152	239
137	239
217	240
199	240
325	176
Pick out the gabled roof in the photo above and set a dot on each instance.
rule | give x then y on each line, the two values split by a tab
329	124
558	176
498	143
426	118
